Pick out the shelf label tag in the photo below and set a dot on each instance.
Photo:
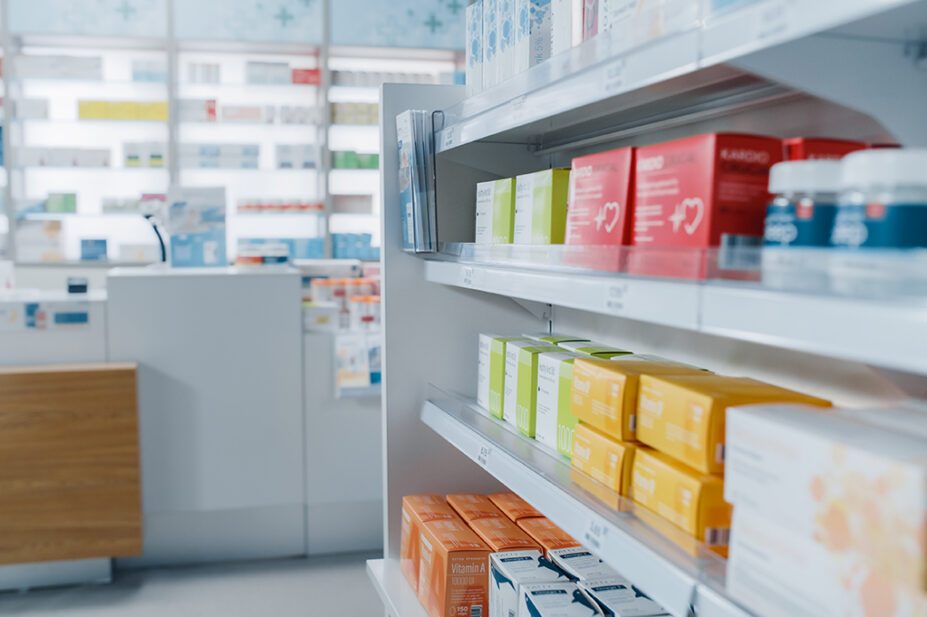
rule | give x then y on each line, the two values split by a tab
447	138
616	298
774	19
614	76
596	533
466	277
483	456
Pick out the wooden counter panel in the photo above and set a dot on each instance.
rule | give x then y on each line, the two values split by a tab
70	485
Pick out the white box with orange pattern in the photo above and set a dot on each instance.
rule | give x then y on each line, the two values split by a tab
855	492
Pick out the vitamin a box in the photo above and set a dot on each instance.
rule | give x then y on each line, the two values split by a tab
416	510
541	207
580	564
454	570
601	197
546	534
603	459
509	571
693	192
591	348
835	482
692	501
513	506
495	211
816	148
555	420
520	370
471	507
617	597
605	391
497	368
500	534
684	416
556	600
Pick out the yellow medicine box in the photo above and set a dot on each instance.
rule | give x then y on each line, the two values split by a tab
603	459
684	416
605	391
689	500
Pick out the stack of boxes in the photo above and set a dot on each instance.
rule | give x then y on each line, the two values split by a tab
636	426
497	556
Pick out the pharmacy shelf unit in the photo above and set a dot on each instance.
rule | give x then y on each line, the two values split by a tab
738	72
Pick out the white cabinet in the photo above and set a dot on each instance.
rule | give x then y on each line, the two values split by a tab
220	405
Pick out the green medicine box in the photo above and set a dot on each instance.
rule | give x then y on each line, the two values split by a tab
555	421
597	350
497	357
503	211
541	207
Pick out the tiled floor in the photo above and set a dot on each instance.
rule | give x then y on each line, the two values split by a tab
329	587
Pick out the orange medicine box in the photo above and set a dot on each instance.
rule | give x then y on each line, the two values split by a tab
692	501
472	507
501	534
514	506
685	416
605	391
418	509
454	569
603	459
548	535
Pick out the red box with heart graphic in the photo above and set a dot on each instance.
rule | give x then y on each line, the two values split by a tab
599	212
692	192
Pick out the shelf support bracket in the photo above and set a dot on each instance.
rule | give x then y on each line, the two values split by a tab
540	310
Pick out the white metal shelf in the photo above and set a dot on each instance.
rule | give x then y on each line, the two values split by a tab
604	76
398	597
672	575
877	332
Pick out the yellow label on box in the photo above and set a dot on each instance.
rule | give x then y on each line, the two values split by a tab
91	110
605	391
603	459
684	416
155	112
689	500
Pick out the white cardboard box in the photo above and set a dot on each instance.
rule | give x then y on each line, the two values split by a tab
533	20
505	25
851	488
556	600
490	43
509	571
617	597
581	564
778	573
474	48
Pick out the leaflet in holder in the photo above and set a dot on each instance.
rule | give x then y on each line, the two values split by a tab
415	137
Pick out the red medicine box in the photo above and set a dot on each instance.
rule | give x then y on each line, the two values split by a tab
818	148
692	192
599	213
307	77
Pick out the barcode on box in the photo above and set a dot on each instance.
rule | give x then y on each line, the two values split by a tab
715	536
719	453
476	610
632	420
